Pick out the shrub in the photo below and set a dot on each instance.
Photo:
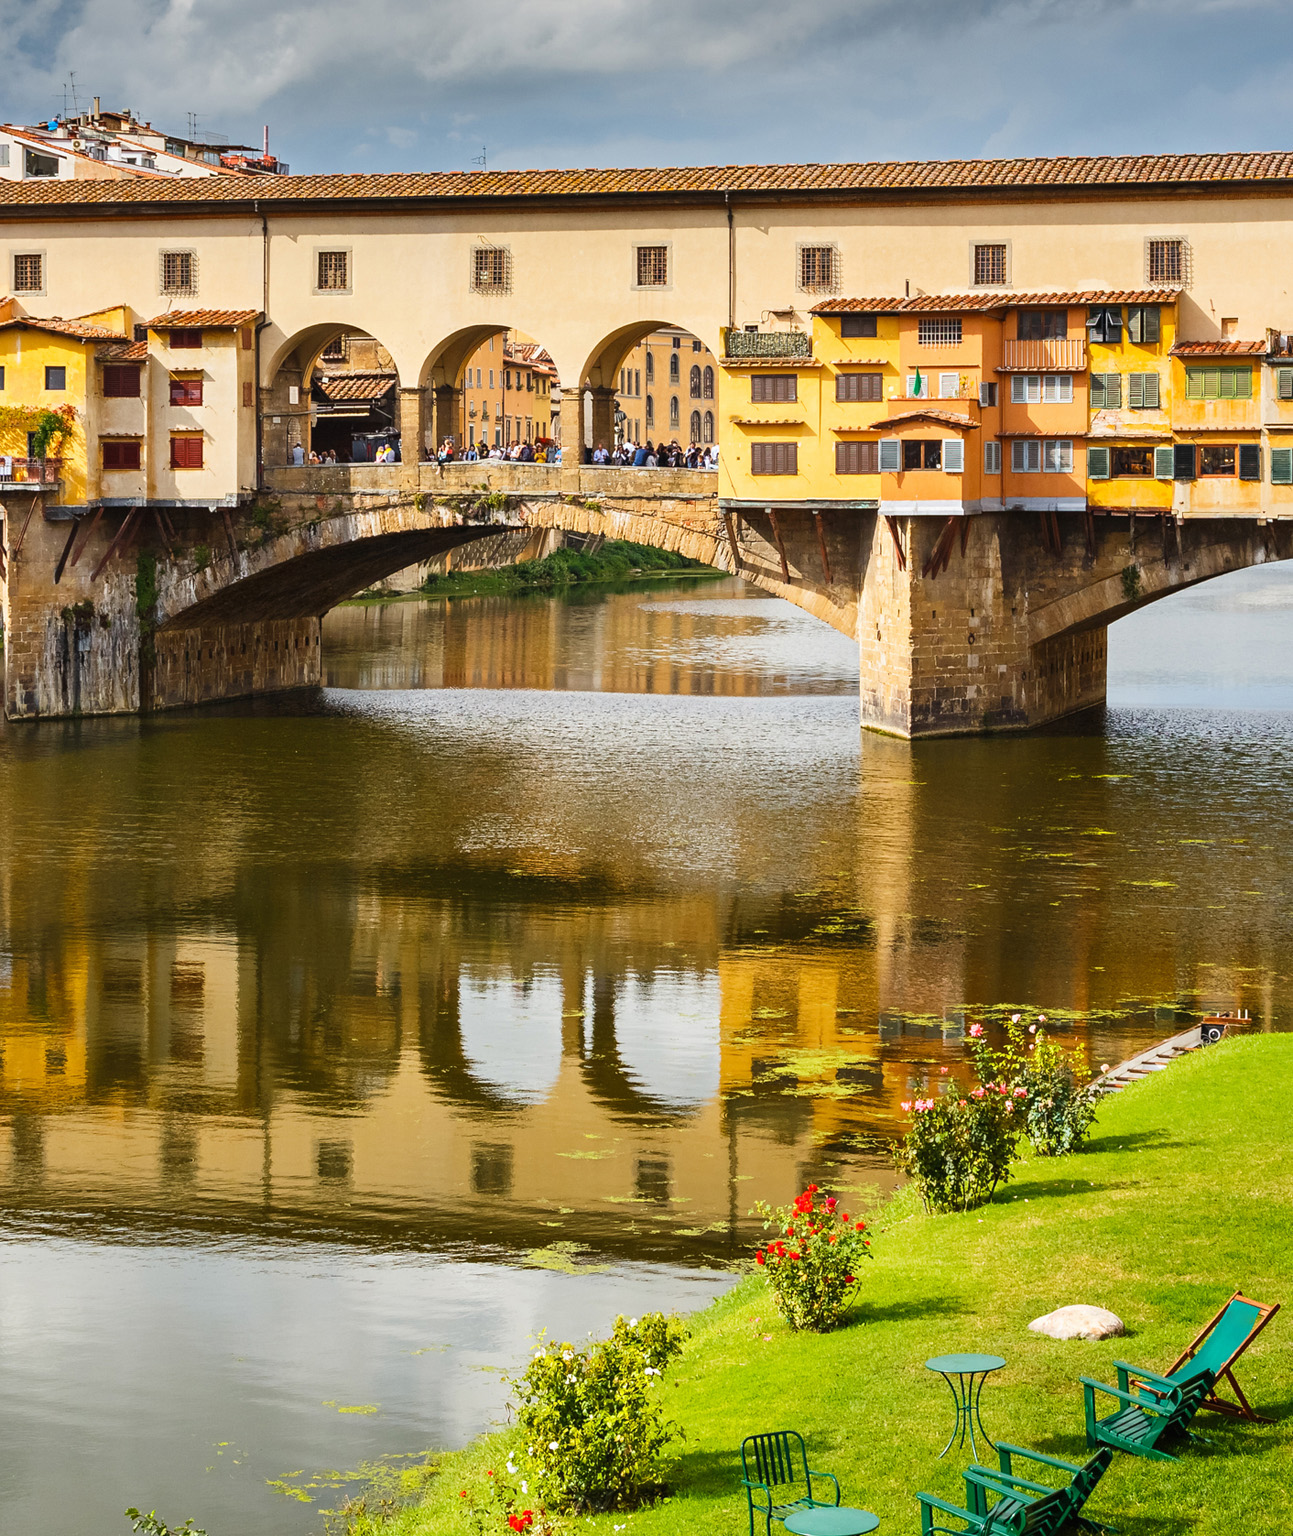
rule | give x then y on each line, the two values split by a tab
150	1525
1059	1103
591	1418
811	1268
959	1150
501	1504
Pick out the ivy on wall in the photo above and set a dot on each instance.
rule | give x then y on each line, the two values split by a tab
49	429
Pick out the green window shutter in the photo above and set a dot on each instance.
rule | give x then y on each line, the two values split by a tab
1184	467
1212	385
1194	382
1134	313
1250	461
1282	466
1097	391
1243	383
1097	463
1285	383
1151	392
1228	383
1136	391
1164	462
1113	391
1150	320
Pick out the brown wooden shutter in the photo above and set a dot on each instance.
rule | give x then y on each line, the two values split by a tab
773	388
859	386
186	452
249	393
857	458
858	325
186	391
121	382
774	458
121	455
186	340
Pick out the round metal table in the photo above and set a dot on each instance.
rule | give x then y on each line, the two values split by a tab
832	1522
964	1393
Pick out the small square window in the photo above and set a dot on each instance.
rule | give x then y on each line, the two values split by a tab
1166	261
491	269
653	266
185	341
990	265
29	273
186	452
818	268
121	455
333	271
55	378
186	391
858	325
179	270
1217	459
121	382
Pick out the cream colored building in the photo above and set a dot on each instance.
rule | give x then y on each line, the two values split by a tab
667	391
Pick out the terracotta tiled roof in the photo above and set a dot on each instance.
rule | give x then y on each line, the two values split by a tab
80	328
203	319
1219	349
361	384
950	417
1037	174
127	352
954	303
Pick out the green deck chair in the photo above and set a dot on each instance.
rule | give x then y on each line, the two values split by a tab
1217	1348
777	1461
1003	1504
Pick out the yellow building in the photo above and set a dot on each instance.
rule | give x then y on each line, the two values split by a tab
667	390
509	387
160	413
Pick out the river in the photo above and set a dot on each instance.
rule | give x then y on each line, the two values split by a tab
348	1041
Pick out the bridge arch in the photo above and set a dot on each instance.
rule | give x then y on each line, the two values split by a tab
294	401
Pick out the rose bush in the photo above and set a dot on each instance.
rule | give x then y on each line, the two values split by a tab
1060	1103
811	1268
593	1428
960	1149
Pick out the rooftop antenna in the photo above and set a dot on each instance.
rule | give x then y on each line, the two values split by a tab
71	85
193	127
481	159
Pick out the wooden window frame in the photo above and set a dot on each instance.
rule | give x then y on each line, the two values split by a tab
927	451
780	459
186	442
119	449
1249	462
117	374
41	271
859	388
1047	324
774	388
186	391
188	339
853	327
1208	453
1125	450
857	458
59	388
1197	382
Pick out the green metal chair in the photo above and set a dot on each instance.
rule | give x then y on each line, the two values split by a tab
1002	1504
778	1461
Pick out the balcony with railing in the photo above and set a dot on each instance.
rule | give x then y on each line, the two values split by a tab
772	344
33	473
1056	354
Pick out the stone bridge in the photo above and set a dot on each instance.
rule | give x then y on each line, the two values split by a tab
975	623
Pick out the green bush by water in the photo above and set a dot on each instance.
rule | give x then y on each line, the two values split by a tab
616	560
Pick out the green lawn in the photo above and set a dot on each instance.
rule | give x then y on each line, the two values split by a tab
1185	1195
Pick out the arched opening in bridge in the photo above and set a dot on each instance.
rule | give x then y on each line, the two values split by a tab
333	396
653	384
491	392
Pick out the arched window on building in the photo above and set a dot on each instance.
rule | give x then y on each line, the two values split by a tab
650	366
675	414
709	426
695	381
709	383
695	426
650	410
675	370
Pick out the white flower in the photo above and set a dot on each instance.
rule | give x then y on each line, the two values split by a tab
650	1371
525	1487
570	1378
566	1355
552	1445
633	1322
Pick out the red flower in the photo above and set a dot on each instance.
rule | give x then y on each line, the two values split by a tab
759	1258
519	1522
831	1202
848	1279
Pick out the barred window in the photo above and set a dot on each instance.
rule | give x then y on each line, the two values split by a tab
857	458
653	266
990	265
491	269
939	332
773	388
774	458
859	386
1165	261
336	351
179	272
334	271
818	268
29	273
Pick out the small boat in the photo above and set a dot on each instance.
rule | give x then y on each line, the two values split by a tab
1216	1026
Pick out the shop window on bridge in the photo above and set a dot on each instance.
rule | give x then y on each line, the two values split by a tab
1131	463
858	325
1042	324
1217	459
857	458
773	388
1219	383
859	386
120	382
121	455
774	458
922	453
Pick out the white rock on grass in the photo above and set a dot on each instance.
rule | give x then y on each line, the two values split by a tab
1079	1322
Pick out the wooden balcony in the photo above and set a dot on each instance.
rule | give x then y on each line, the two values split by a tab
32	473
1058	355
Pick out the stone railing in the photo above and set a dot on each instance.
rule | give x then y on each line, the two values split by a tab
505	475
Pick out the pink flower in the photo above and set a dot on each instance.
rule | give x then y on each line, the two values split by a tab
1014	1018
943	1071
1032	1029
1021	1093
1041	1018
977	1093
906	1104
976	1030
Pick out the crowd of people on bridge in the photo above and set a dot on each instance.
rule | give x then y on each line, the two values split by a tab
649	455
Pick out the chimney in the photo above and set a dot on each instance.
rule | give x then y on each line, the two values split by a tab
96	106
265	142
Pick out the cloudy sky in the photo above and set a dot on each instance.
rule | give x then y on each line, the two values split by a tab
426	84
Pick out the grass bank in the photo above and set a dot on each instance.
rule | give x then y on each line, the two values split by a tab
1185	1195
618	560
